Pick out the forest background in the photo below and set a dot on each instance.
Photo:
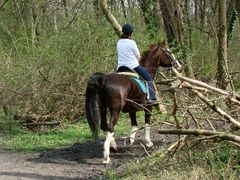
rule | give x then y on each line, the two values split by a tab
49	48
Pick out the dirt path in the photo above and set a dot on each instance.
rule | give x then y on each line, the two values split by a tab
79	161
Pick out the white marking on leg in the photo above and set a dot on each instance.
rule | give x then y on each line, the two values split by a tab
147	136
113	144
106	148
133	134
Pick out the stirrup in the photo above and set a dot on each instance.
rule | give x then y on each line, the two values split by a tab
152	102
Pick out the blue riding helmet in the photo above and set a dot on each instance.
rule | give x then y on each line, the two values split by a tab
127	29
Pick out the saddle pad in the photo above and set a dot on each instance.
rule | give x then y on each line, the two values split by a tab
141	84
129	74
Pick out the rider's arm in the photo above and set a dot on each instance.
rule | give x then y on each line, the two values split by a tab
136	51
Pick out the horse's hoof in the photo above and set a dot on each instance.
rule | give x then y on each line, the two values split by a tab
106	161
113	149
149	144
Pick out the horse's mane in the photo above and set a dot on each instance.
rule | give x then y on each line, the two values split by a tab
146	53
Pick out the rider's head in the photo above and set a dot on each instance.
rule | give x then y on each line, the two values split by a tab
127	29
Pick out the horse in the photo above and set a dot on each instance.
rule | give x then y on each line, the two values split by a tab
119	93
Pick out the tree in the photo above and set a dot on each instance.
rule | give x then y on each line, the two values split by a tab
186	45
111	19
231	20
237	5
177	28
169	21
150	16
223	77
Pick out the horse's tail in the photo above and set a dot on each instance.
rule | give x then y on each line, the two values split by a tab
94	94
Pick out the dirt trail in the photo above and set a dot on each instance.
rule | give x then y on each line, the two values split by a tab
79	161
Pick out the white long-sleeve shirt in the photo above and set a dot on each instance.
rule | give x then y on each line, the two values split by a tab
128	53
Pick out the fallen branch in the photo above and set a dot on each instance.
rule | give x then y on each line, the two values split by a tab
217	109
205	85
221	135
54	123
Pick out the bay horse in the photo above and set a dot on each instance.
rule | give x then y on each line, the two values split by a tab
113	92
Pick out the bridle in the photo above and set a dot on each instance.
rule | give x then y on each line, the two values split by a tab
173	59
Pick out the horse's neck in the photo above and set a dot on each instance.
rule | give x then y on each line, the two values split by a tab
149	65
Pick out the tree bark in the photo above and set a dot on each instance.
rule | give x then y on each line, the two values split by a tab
231	20
111	19
237	6
35	24
196	12
168	21
223	77
221	135
186	46
123	8
202	13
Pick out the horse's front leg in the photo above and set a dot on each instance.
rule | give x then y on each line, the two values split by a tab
147	129
110	141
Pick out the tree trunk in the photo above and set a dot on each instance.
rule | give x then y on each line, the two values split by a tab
168	20
231	21
196	12
148	14
222	66
111	19
178	20
186	46
35	24
237	5
202	13
123	8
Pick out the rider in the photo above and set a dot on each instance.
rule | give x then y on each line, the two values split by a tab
129	56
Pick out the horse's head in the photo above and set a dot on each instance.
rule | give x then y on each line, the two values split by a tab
167	59
159	55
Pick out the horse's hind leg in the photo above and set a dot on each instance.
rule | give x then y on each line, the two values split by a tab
103	114
147	129
109	138
134	127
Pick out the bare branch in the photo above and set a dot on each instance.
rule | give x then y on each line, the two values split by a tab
217	109
3	4
221	135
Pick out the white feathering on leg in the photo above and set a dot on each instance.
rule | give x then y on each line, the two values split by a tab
106	152
113	144
147	136
133	134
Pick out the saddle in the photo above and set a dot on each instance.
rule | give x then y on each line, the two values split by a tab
123	70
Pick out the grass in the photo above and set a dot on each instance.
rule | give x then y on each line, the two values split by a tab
218	161
15	136
21	139
214	161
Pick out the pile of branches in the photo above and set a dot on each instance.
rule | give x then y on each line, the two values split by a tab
44	103
202	110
